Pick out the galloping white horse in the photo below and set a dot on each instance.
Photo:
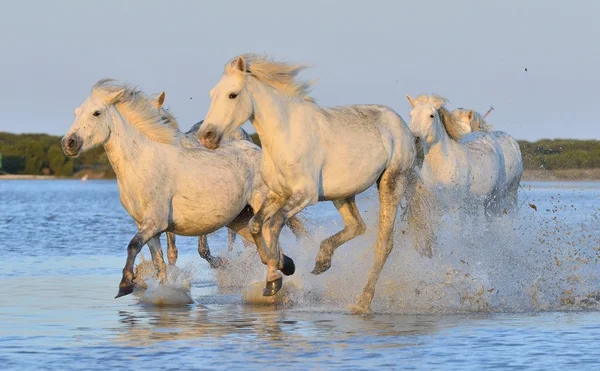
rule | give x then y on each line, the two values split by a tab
513	161
166	182
479	167
312	154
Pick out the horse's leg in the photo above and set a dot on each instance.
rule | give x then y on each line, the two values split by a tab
240	226
391	190
158	259
204	252
230	239
172	252
353	226
277	261
270	205
147	230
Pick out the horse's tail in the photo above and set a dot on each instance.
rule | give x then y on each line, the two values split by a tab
421	214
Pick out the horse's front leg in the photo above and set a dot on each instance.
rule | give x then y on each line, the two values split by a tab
147	230
276	260
158	259
270	205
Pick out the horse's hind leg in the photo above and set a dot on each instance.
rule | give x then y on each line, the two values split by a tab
353	226
297	227
204	252
172	252
230	239
391	190
158	259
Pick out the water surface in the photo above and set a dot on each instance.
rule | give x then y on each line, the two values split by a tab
518	294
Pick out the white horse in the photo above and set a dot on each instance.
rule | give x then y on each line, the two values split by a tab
470	170
167	183
312	154
513	161
203	248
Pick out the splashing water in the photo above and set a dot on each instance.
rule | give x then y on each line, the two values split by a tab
532	261
175	292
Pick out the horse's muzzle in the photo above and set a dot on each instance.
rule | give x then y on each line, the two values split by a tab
209	137
71	145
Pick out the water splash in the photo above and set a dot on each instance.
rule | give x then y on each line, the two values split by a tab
175	292
533	261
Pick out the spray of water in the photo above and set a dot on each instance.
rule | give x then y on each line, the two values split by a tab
543	258
175	292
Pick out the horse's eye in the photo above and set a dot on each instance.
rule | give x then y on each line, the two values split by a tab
432	116
232	96
97	113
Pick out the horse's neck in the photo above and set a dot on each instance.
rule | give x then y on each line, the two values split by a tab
126	148
271	116
442	153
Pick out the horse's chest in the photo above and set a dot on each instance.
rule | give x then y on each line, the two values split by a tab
133	202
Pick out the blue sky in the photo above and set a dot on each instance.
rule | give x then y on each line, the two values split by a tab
472	52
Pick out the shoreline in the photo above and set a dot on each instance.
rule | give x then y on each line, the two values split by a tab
573	175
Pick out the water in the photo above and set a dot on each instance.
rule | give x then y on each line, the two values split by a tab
521	293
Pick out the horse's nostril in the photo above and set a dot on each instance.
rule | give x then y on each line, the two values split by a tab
209	134
71	143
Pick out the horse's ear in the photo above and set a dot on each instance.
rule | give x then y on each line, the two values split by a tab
239	64
470	115
411	101
113	97
161	100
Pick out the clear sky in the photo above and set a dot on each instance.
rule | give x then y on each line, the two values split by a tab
472	52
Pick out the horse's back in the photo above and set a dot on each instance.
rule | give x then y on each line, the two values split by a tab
360	143
512	155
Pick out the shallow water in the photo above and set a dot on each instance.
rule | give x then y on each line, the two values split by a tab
521	293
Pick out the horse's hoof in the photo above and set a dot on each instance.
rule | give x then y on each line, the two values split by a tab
360	309
273	287
124	290
289	267
321	267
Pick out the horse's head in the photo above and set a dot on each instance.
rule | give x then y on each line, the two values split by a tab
424	119
230	105
92	123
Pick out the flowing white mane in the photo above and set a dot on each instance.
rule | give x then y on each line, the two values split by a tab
137	109
281	76
451	123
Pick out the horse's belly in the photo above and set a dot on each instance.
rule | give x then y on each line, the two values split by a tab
203	215
349	177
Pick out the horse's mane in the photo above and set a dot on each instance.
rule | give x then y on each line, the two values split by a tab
451	123
137	109
280	76
477	123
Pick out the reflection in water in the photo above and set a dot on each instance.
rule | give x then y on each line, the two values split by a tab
301	330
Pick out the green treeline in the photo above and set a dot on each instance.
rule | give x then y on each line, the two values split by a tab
41	154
